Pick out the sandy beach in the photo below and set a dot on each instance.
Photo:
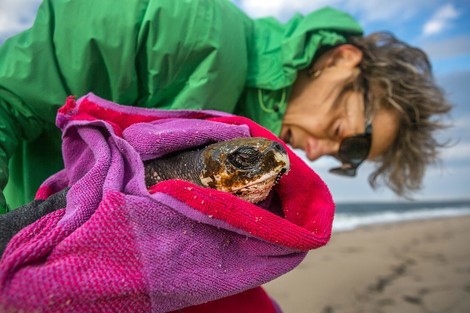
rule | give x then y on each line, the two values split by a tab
421	266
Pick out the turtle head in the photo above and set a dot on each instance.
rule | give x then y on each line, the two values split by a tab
247	167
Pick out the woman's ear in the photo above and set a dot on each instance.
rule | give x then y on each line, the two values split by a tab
345	55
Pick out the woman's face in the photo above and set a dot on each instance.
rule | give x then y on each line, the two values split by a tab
321	112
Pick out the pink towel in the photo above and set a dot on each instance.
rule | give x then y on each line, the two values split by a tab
116	247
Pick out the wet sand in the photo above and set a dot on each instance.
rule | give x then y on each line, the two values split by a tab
409	267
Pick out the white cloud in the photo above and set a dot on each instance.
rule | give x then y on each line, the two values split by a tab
462	124
440	20
282	9
448	47
366	10
460	151
16	16
385	11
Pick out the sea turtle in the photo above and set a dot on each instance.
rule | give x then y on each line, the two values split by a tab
246	167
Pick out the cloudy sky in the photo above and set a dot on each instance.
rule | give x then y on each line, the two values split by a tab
441	28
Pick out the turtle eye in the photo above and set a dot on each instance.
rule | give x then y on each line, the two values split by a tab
244	157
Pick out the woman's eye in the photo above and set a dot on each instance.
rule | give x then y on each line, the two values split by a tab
337	131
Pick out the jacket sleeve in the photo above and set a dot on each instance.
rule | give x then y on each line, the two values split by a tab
31	88
187	54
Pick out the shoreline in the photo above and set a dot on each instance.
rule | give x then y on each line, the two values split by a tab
366	221
409	266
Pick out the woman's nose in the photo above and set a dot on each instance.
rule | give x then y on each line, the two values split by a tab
317	148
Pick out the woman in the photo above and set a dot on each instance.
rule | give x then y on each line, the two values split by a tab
314	81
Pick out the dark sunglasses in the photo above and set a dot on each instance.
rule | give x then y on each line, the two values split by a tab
355	149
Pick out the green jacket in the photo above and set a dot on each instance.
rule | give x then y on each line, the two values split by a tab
167	54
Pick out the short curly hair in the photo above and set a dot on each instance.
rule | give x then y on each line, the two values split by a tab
400	78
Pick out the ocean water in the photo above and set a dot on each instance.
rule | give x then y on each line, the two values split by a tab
349	216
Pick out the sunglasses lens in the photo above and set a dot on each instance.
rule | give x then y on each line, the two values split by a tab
354	150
